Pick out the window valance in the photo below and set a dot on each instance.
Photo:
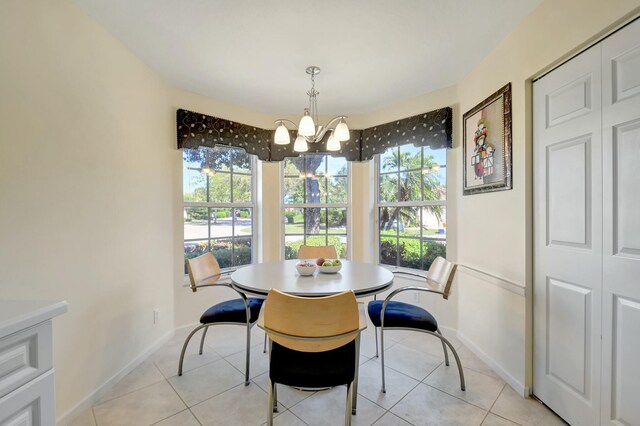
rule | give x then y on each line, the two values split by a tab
433	129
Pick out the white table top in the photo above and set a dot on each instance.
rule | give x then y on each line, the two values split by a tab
364	279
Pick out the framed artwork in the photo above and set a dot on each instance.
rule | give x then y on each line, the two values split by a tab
486	145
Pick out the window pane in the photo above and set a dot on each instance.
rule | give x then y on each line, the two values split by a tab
194	249
241	188
409	221
314	221
316	190
293	166
315	164
292	245
220	188
241	162
294	221
336	166
389	160
388	220
293	190
410	157
432	249
340	243
409	189
434	224
222	249
409	256
337	190
242	251
220	222
388	251
436	156
337	221
194	185
195	223
435	184
242	223
388	188
317	240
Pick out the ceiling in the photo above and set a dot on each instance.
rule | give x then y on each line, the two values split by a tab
254	53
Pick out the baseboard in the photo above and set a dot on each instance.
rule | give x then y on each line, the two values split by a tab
520	388
94	396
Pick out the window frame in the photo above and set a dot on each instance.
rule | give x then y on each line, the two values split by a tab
346	205
252	204
419	204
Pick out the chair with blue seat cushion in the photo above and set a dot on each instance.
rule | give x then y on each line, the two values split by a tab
388	314
204	271
315	343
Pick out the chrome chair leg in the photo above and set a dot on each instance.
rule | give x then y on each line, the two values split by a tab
275	397
270	405
355	380
264	348
204	334
186	343
384	390
455	355
347	413
375	333
444	348
246	371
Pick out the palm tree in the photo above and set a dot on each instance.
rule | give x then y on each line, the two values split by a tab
408	188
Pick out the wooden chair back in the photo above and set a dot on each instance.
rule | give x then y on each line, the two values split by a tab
314	252
202	267
441	273
320	317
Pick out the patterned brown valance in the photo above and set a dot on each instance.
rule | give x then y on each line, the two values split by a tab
428	129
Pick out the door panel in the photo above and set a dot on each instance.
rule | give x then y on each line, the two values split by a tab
568	238
621	227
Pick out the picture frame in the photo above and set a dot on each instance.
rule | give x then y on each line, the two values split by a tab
486	145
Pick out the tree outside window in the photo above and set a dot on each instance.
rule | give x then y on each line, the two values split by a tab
412	206
315	203
218	204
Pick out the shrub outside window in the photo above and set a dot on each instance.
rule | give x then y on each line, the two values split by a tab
218	194
315	188
411	206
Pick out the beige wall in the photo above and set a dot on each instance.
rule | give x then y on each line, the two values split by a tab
96	203
87	189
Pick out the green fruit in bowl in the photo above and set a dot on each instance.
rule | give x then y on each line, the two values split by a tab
327	263
337	262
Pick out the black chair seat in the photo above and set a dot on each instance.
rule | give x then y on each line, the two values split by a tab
313	369
398	314
232	311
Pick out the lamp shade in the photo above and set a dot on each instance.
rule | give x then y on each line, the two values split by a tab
342	131
300	145
282	136
333	144
307	126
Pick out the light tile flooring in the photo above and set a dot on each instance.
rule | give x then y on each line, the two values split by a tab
421	390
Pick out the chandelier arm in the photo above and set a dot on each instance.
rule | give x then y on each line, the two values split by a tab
340	117
282	120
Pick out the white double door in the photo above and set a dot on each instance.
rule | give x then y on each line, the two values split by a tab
587	234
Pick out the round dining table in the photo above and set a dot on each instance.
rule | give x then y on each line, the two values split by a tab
365	279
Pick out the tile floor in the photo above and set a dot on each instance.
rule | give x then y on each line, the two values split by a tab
421	390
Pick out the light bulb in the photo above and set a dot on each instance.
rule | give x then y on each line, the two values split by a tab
300	145
306	127
333	144
342	131
282	135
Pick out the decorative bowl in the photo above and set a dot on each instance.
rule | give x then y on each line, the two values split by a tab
329	269
306	270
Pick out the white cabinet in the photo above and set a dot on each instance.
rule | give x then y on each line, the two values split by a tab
27	393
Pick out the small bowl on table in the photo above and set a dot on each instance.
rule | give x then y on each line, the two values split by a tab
330	269
306	269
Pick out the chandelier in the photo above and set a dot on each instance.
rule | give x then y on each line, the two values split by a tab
308	129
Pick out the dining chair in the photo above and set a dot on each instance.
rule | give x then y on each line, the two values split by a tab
314	252
204	271
391	315
315	343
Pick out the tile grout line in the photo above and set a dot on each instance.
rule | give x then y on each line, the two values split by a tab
494	403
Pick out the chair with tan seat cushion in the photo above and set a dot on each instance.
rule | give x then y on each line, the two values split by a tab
314	252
